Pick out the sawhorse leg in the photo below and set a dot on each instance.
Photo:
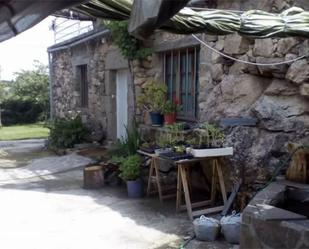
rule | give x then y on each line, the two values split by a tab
184	183
217	170
154	172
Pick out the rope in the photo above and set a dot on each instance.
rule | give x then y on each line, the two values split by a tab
248	62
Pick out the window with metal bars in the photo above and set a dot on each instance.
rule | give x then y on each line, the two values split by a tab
181	77
82	73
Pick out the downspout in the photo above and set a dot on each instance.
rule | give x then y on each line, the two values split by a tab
50	86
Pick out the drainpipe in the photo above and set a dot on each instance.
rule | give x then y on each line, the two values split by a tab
50	86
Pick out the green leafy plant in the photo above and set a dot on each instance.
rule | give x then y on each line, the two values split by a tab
171	136
207	135
169	107
64	133
130	47
152	99
215	134
130	167
129	144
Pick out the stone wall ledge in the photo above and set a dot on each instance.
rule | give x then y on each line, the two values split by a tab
266	226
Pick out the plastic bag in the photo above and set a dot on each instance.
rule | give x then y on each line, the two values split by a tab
206	229
230	227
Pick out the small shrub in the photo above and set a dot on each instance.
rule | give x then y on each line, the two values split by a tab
64	133
153	97
130	168
16	111
127	145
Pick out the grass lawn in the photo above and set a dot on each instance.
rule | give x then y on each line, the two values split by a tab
16	132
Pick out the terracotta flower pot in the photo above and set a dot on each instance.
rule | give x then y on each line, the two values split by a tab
169	118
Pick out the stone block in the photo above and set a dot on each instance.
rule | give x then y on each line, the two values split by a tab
304	90
236	45
263	47
281	113
277	71
217	72
220	44
247	89
298	72
248	238
303	48
286	44
281	87
146	64
239	67
211	38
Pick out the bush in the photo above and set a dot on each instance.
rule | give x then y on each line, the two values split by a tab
17	111
130	168
127	145
64	133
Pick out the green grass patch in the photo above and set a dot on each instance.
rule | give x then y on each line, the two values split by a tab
16	132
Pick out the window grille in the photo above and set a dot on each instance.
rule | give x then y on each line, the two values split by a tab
83	82
181	77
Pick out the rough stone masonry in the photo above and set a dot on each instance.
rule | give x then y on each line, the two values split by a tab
278	96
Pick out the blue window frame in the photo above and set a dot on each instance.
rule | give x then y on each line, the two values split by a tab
181	77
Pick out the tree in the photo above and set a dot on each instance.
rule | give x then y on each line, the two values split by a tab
5	94
33	85
1	99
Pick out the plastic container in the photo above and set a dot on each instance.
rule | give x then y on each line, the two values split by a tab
135	188
227	151
230	227
206	229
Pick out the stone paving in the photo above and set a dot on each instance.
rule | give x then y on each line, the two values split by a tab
51	210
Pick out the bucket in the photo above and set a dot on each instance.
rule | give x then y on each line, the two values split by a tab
135	188
206	229
230	227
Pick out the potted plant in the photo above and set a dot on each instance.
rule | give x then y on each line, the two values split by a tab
169	110
152	100
130	172
208	141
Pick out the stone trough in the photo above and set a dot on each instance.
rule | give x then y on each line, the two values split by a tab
277	217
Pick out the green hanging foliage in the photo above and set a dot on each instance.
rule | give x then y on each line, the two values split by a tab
130	47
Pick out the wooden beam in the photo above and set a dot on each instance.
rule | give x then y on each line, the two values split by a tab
207	211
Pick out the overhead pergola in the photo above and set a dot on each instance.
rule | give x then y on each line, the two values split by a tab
145	16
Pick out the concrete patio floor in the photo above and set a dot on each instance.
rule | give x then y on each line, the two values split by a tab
54	211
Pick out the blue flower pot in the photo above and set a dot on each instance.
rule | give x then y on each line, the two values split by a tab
156	118
135	188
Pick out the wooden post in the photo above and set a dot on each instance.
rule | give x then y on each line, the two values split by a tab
186	189
150	176
179	190
93	177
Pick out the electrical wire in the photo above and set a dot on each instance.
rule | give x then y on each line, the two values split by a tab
249	62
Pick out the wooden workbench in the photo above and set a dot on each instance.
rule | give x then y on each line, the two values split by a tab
183	167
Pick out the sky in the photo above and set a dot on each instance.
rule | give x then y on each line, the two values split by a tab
19	52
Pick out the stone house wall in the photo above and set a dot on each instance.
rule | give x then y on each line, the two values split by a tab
102	60
278	96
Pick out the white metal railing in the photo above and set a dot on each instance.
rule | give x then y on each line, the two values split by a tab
65	29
